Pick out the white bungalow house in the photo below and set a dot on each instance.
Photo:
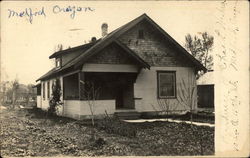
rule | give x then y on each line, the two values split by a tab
134	67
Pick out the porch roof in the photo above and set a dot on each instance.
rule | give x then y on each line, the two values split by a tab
37	85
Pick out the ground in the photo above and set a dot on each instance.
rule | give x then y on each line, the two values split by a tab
26	133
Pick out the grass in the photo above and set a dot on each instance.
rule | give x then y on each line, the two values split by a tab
29	133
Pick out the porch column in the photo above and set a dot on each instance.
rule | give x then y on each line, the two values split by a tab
81	85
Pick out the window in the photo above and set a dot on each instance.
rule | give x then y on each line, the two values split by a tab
166	83
48	89
58	62
71	87
140	34
43	90
38	90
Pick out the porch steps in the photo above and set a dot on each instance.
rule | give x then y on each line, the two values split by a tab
128	115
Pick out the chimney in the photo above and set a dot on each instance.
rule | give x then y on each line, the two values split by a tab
104	29
93	39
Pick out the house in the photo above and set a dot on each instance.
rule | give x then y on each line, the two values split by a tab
205	91
133	68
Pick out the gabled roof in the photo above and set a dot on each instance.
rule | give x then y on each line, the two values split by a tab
85	56
112	37
81	47
116	33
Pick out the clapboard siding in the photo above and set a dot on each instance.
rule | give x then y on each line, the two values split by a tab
145	89
38	101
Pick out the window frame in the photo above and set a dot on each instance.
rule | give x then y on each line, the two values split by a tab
158	85
48	89
43	87
60	62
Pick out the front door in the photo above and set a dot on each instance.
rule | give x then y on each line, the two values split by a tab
124	96
119	97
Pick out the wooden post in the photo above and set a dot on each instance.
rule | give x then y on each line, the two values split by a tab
81	85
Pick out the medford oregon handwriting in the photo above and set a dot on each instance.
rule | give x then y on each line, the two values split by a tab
71	9
28	13
56	9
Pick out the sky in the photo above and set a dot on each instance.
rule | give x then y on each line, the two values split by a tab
27	46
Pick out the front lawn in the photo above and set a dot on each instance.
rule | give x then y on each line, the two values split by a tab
27	133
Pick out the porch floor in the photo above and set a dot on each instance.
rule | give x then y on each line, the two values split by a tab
129	114
125	110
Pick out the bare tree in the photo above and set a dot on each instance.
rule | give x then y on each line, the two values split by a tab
91	94
15	87
187	96
165	106
30	93
5	90
201	49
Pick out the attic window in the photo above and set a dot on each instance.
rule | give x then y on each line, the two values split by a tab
58	62
140	34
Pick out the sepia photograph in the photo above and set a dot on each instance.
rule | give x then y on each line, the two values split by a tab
124	78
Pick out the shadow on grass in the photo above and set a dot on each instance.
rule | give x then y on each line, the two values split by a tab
197	117
36	113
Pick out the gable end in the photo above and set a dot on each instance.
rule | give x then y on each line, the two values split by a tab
153	47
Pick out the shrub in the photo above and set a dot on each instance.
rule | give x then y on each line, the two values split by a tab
114	125
55	100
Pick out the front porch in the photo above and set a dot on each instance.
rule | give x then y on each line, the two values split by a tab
105	77
110	92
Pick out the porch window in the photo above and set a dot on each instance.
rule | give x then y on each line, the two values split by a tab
71	87
38	90
43	90
166	83
48	89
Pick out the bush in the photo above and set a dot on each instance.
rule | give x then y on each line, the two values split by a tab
114	125
55	100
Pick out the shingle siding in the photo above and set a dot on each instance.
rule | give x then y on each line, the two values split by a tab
112	54
153	48
69	56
